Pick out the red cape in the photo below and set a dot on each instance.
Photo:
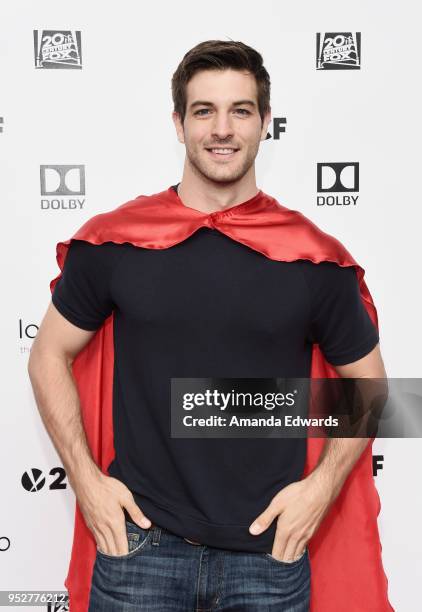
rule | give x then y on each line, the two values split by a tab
345	553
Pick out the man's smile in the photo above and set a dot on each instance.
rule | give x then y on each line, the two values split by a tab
225	153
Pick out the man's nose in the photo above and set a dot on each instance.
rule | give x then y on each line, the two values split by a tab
222	127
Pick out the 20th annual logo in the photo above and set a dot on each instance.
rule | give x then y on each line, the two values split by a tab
338	51
58	49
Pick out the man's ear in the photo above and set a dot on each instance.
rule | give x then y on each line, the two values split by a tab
179	127
265	124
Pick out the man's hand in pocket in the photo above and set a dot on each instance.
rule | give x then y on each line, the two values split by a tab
101	500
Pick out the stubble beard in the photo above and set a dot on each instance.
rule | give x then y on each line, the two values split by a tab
226	174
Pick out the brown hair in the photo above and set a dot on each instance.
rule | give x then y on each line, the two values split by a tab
220	55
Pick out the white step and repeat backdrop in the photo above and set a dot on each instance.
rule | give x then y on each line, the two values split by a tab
93	129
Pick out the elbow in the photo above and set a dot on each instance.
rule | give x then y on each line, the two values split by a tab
40	362
34	364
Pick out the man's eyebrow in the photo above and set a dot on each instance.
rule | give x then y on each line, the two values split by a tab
237	103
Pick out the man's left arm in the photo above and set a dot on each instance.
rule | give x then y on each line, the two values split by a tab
298	521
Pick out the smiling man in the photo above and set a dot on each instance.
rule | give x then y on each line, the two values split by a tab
224	155
192	282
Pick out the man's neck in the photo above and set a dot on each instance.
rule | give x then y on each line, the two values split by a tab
215	197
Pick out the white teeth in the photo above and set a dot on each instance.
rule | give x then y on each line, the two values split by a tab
223	151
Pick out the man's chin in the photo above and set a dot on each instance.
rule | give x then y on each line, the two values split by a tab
218	172
223	176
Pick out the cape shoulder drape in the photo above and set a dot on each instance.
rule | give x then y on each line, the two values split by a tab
345	553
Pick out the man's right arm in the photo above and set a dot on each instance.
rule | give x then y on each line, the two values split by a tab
100	497
50	370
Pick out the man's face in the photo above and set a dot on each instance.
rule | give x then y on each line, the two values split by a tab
222	127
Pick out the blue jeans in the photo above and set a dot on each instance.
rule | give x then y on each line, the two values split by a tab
164	572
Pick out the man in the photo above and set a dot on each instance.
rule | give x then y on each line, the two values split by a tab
198	283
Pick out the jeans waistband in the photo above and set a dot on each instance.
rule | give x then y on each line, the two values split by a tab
157	528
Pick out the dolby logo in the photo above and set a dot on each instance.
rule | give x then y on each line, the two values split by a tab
63	180
337	178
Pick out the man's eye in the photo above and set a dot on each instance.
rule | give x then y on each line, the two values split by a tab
242	111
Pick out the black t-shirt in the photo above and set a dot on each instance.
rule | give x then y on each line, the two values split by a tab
208	307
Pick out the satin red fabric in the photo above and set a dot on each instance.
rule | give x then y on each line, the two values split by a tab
345	553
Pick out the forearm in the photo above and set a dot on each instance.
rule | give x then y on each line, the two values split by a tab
336	461
58	403
339	455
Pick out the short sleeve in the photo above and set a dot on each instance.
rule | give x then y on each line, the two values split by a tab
82	294
339	321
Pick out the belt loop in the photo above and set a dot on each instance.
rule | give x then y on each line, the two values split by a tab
156	534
